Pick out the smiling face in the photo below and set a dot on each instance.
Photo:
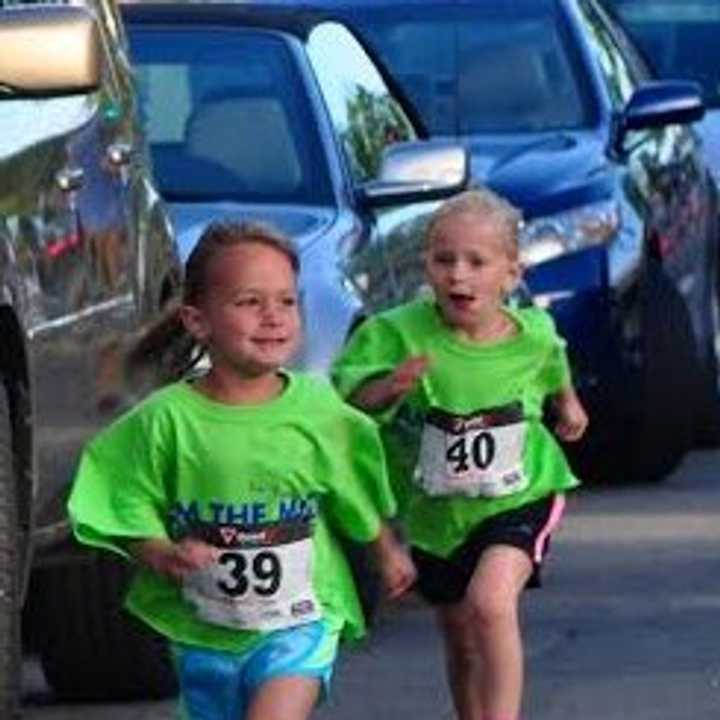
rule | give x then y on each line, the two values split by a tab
471	266
247	315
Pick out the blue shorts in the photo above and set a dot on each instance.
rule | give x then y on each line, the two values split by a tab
217	685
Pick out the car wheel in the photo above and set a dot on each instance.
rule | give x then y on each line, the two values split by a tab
668	384
707	425
10	600
90	648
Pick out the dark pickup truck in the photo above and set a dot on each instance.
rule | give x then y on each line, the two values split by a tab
86	260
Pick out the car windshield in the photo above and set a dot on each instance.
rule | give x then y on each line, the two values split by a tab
226	117
501	66
680	38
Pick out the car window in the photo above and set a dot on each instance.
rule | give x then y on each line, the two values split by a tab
505	66
679	38
241	126
365	114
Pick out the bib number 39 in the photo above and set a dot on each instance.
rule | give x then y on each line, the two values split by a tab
263	574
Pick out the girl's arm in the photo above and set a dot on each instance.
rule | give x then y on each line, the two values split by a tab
173	560
572	418
381	392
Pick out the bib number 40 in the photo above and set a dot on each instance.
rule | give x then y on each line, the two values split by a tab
478	449
262	574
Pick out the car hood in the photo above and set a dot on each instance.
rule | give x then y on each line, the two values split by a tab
709	128
543	174
302	223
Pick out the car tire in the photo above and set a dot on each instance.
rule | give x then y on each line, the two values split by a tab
10	592
669	380
90	648
707	424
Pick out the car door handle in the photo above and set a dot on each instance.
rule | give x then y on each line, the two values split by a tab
119	154
70	179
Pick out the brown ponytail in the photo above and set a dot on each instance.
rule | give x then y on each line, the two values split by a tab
166	347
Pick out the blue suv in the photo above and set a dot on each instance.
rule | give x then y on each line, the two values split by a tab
561	115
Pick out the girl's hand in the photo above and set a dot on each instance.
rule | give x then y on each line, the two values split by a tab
572	418
403	378
379	393
398	573
174	560
397	569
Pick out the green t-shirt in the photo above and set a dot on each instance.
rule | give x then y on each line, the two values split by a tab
179	461
463	378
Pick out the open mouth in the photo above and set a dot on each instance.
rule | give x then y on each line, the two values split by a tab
461	301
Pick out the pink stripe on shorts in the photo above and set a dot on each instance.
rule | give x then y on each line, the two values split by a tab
556	513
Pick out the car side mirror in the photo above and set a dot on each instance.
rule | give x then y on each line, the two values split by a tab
418	171
48	51
657	104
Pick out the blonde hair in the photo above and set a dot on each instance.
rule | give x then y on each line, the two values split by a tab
485	205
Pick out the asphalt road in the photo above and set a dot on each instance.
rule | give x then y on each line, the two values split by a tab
625	628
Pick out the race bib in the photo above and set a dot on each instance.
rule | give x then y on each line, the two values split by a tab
476	455
262	579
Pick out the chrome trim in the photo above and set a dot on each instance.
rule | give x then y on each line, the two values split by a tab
122	300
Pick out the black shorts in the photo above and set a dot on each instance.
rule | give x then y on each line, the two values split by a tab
444	580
